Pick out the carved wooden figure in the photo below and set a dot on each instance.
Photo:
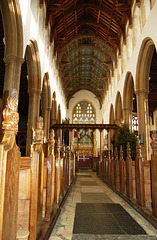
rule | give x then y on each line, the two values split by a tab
37	168
128	173
154	175
108	169
111	168
69	173
63	170
50	177
74	166
116	168
139	173
58	172
67	167
105	167
121	171
9	170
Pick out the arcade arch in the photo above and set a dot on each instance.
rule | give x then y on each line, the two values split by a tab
128	93
12	21
23	109
118	109
54	110
34	88
46	103
142	90
13	54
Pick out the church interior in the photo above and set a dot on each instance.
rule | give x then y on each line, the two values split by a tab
78	116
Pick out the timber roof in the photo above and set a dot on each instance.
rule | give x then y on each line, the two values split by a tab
87	35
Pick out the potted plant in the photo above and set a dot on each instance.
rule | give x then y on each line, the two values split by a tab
125	136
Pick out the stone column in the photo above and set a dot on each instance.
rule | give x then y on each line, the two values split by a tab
46	118
143	122
12	78
71	140
109	139
127	113
100	145
33	113
12	72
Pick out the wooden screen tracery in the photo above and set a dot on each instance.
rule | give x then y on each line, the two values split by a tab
83	113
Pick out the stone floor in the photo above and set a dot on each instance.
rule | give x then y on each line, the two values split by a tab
92	197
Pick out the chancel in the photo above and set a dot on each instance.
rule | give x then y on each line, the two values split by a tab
78	117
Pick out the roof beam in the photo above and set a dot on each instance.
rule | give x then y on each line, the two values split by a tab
84	6
106	63
95	48
81	78
113	36
85	126
89	64
79	71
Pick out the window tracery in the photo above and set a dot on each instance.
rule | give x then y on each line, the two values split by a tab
83	113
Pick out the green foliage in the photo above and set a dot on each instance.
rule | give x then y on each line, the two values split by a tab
125	136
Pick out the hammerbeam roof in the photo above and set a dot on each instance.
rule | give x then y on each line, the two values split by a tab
86	36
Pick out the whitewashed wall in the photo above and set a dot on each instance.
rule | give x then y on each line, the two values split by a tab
90	97
33	21
144	25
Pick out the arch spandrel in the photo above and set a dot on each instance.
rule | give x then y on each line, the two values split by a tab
46	92
118	109
33	65
143	64
54	109
128	91
111	116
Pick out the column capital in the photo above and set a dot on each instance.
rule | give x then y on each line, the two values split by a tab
13	58
48	108
127	108
140	91
34	91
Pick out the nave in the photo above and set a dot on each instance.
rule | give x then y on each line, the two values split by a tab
93	211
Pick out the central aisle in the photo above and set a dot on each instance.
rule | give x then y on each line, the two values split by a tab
93	211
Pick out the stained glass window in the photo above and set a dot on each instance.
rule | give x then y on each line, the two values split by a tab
134	122
83	112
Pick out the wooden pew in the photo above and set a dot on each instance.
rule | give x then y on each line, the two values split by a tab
63	166
135	180
154	176
25	180
57	174
9	170
31	187
50	180
24	193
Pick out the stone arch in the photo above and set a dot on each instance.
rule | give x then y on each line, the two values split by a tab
13	54
12	21
46	102
59	114
13	58
128	92
58	120
143	64
34	88
118	109
54	109
142	89
33	65
111	116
